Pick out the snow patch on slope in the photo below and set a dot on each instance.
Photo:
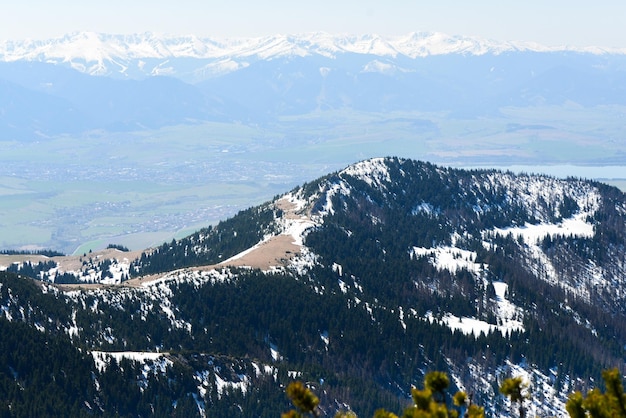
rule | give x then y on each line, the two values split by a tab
449	258
102	358
509	317
473	326
222	384
380	67
576	226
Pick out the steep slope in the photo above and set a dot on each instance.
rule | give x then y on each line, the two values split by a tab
358	283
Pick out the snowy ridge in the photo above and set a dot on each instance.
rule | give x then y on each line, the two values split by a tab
374	172
96	48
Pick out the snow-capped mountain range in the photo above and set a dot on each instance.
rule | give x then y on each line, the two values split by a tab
89	81
98	53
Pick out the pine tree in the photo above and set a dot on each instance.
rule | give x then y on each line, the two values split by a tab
517	391
303	399
429	402
596	404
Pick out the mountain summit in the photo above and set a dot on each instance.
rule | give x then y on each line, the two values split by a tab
357	283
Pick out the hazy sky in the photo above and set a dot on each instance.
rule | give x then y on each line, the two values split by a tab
551	22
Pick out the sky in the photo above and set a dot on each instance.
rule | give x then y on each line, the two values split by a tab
549	22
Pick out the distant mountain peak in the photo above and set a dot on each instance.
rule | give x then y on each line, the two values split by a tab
91	46
143	54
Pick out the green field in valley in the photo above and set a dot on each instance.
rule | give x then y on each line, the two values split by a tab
142	188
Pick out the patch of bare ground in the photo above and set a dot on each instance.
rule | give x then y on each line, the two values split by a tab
274	252
277	251
7	260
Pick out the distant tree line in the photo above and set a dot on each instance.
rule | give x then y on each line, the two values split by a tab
118	247
46	253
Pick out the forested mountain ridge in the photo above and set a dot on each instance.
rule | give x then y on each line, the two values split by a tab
376	274
551	220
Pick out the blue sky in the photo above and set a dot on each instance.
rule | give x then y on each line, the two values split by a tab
551	22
